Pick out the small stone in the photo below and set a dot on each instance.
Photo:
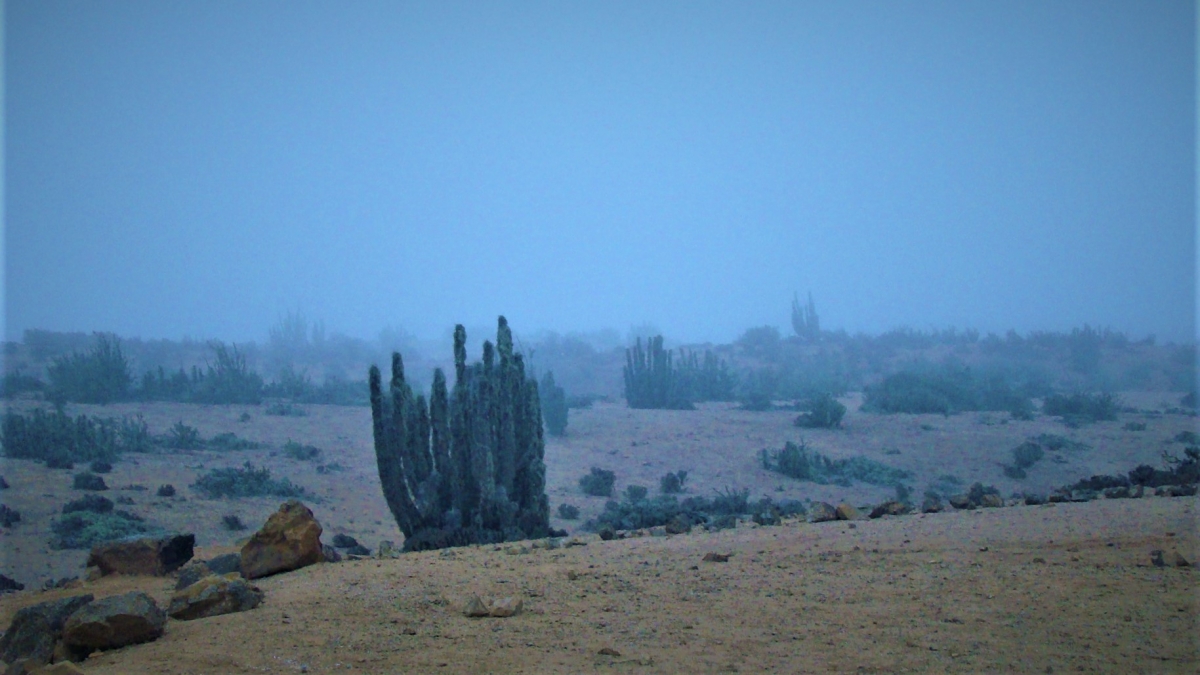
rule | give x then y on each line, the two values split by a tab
1181	561
716	557
505	607
1156	558
474	608
608	651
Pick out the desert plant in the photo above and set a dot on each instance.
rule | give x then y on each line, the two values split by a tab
167	490
947	389
824	412
17	382
232	522
468	466
757	390
88	481
93	503
228	380
1027	454
568	511
230	441
9	516
85	529
554	405
651	380
707	379
598	482
635	492
100	466
284	409
59	439
802	463
183	437
672	483
300	451
100	375
246	481
805	322
1188	436
1081	408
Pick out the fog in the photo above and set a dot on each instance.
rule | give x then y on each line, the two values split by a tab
202	169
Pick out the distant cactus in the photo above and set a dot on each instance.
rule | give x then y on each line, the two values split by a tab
804	319
554	405
651	380
468	466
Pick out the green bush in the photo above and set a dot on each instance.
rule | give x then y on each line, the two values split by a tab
635	492
801	463
672	483
598	483
652	380
1080	408
1027	454
246	481
88	481
304	453
100	375
945	390
18	383
554	405
285	410
93	503
85	529
183	437
824	412
230	441
60	440
568	511
228	381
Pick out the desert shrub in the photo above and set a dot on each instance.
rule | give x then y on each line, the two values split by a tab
88	481
232	522
945	485
799	462
1014	472
707	379
85	529
284	409
1188	437
651	378
598	482
554	405
59	439
568	511
977	491
246	481
947	389
824	412
719	512
635	492
183	437
228	380
330	468
761	342
100	375
301	452
99	466
9	516
133	434
672	483
230	441
903	493
757	390
1055	443
1081	408
167	490
728	501
93	503
1134	426
18	383
1027	454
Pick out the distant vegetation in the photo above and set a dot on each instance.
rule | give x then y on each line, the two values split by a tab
246	481
802	463
946	389
554	405
1080	408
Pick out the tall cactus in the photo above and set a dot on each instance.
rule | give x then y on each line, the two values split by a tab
469	465
650	378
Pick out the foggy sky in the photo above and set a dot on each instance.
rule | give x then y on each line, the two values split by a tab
201	168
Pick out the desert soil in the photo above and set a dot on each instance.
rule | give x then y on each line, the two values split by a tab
1019	589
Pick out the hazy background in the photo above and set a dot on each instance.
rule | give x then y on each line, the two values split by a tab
201	168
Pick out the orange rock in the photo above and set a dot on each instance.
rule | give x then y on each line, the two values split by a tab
290	539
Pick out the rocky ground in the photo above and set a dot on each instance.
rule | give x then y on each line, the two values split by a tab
1068	586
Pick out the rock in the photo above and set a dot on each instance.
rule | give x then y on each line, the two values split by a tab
22	667
658	531
1119	492
224	564
890	508
820	512
607	533
60	668
156	556
931	505
9	517
1156	558
191	573
960	501
846	512
1083	495
679	525
36	628
358	549
214	595
344	541
330	554
991	501
289	540
115	621
716	557
1059	496
3	483
608	651
1181	490
766	517
1034	499
504	607
8	584
475	608
1181	561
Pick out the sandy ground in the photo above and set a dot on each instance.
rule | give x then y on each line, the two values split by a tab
1062	587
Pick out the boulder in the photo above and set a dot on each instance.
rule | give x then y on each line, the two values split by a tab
890	508
330	554
1119	492
386	550
931	505
474	608
504	607
960	501
680	524
820	512
344	541
214	595
224	564
36	628
846	511
289	540
9	584
1033	499
991	501
115	621
156	556
191	573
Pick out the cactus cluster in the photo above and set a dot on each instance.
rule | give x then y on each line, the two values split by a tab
651	379
466	465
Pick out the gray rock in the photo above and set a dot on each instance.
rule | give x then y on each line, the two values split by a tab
504	607
224	564
474	608
213	596
1119	492
931	505
35	629
960	501
679	525
115	621
821	512
331	554
191	573
344	541
890	508
991	501
1034	500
